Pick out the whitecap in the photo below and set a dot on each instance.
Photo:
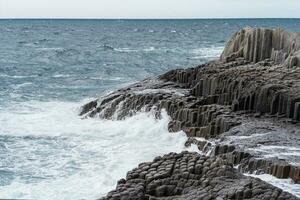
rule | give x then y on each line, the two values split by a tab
50	49
149	49
61	76
17	76
126	50
211	52
18	86
67	157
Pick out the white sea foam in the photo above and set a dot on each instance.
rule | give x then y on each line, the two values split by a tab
18	86
127	50
52	153
61	76
211	52
285	184
280	152
16	76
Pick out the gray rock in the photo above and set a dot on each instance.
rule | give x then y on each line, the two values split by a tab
229	184
258	44
248	99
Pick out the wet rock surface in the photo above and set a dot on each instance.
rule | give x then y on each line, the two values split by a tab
191	176
246	106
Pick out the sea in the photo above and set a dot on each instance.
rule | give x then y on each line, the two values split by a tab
50	68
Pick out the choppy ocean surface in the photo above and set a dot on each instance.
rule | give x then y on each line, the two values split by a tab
49	68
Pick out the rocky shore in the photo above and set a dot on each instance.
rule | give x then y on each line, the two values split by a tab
191	176
247	107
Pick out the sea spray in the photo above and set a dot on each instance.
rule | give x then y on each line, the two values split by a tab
49	152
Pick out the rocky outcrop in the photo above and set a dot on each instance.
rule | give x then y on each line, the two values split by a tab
246	105
259	44
191	176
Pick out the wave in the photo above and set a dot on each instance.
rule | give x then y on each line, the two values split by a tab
128	50
22	85
61	76
17	76
49	152
107	78
50	49
211	52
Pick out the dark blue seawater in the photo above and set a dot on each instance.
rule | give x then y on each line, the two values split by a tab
73	59
48	68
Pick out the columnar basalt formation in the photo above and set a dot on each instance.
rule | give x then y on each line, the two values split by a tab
191	176
259	44
256	81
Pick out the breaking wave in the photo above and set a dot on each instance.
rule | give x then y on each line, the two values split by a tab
61	156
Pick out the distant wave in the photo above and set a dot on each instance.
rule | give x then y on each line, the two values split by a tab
50	49
61	76
128	50
18	86
203	53
17	76
211	52
107	78
148	49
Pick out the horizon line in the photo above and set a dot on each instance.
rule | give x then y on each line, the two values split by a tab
71	18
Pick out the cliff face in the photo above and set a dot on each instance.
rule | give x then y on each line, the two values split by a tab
259	44
252	92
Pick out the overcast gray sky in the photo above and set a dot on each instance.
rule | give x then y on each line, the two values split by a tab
149	8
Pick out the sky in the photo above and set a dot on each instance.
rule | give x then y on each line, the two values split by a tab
149	9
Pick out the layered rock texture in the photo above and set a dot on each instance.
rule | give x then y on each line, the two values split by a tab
259	44
189	176
247	107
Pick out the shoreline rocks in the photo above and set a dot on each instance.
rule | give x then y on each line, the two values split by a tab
191	176
256	81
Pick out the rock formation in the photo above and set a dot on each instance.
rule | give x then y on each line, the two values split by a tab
191	176
252	92
259	44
